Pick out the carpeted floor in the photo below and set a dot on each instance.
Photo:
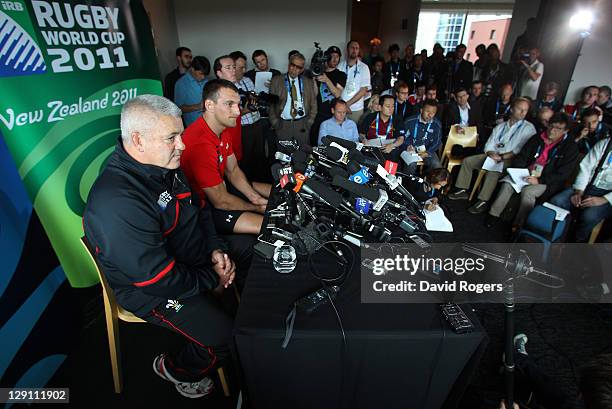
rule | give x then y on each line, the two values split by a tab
561	338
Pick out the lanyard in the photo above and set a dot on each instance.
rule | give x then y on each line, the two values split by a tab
395	70
388	125
518	128
497	108
432	192
551	154
354	72
416	130
289	86
403	110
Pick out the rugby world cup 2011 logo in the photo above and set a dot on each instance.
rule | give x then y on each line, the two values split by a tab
19	53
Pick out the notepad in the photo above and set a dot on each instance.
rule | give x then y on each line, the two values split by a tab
491	165
436	220
260	81
560	213
516	178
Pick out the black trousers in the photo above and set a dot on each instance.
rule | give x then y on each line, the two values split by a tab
254	153
204	321
207	328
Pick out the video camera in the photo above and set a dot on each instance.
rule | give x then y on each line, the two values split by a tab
319	61
254	102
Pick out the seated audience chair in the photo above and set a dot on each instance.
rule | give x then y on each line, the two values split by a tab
476	188
542	227
469	139
595	232
112	312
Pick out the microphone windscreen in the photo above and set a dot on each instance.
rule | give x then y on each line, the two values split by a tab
333	153
342	142
331	197
306	148
337	170
352	167
366	161
356	189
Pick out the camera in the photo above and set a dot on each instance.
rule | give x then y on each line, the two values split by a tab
319	61
256	102
525	57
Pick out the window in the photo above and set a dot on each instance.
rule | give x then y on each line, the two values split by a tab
492	36
472	35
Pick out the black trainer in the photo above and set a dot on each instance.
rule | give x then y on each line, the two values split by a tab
479	207
459	194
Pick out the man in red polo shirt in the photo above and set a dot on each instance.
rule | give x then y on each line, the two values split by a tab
209	158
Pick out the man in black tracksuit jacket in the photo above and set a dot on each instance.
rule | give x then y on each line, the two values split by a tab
158	247
551	158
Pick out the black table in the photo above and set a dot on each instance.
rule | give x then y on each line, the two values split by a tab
396	356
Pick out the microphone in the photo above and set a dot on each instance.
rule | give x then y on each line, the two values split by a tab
377	196
393	183
359	174
337	170
337	153
283	157
363	160
321	192
329	139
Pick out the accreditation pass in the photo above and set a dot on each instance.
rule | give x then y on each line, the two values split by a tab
34	395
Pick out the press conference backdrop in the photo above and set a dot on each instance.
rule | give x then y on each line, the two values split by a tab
37	317
66	68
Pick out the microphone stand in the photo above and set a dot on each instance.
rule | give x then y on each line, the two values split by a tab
518	265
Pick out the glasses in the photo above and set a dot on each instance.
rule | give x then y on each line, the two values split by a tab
299	67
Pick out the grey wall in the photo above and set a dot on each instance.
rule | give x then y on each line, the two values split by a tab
522	11
392	12
165	34
216	28
594	65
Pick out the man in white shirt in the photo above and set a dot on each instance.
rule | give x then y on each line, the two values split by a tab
506	140
591	194
532	75
339	125
357	81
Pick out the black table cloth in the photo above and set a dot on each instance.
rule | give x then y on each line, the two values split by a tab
396	355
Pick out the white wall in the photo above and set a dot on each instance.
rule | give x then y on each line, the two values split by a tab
594	66
216	28
165	35
522	11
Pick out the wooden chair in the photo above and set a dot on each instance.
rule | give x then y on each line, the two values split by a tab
476	188
469	139
595	232
113	312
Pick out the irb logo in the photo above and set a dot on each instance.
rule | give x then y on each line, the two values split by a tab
11	6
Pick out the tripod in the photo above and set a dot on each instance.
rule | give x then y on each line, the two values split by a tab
518	265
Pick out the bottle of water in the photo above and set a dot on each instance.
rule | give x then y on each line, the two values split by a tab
284	259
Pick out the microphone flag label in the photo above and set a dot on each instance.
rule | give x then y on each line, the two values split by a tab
362	177
391	167
362	205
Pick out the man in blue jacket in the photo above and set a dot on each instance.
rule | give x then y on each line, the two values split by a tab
423	137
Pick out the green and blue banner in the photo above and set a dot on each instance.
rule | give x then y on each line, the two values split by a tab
66	69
